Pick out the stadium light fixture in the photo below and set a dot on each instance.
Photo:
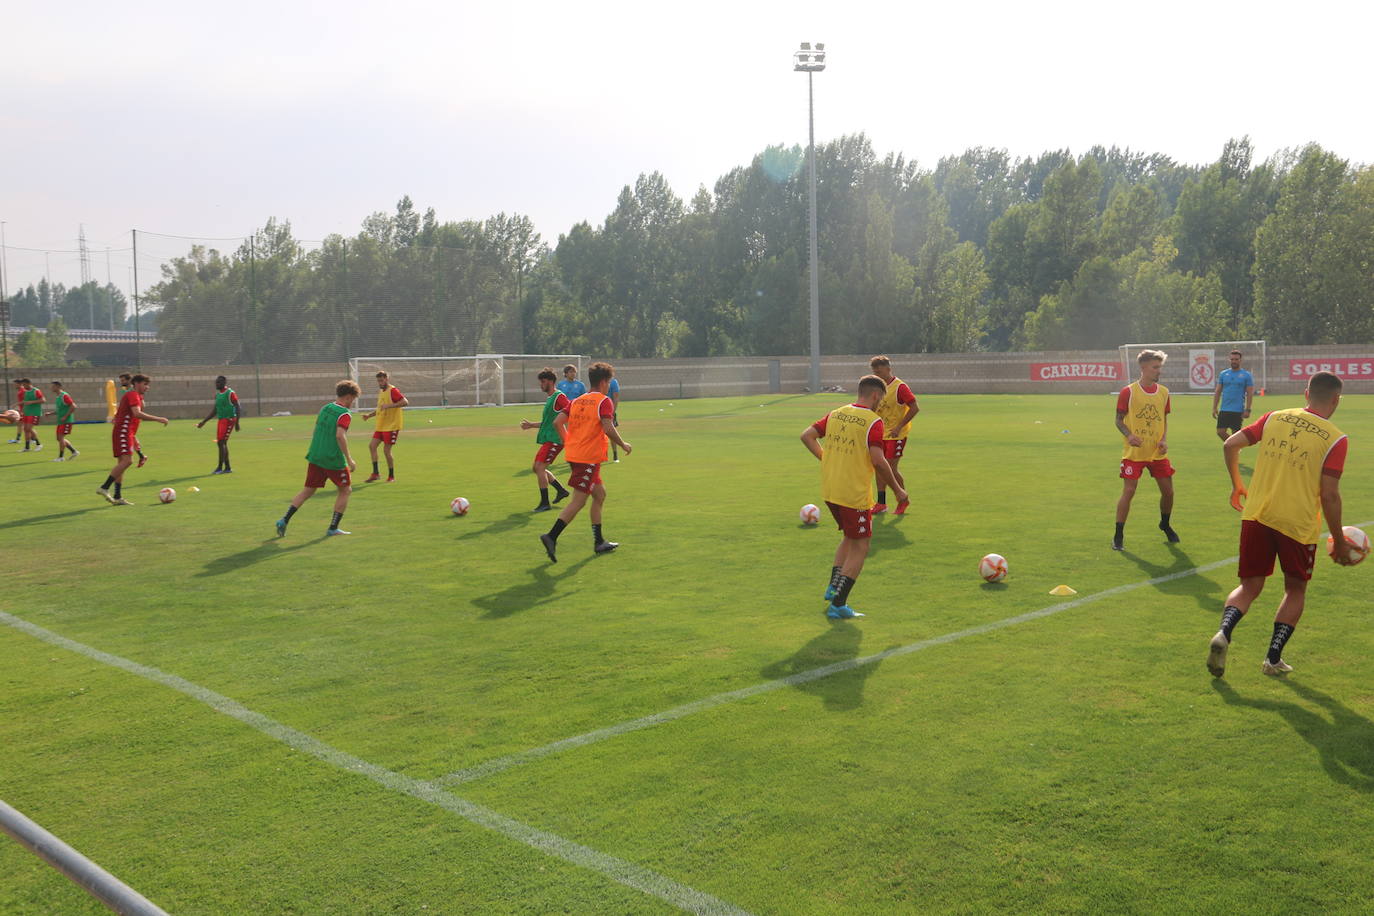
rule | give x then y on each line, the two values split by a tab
811	60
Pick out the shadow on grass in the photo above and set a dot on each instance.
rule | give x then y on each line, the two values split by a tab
541	588
38	519
237	562
1191	586
841	691
1345	741
89	472
686	415
509	523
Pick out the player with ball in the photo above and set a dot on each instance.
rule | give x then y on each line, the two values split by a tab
1296	481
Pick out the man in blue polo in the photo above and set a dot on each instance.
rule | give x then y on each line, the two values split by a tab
1234	392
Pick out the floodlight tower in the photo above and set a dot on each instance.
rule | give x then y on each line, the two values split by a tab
811	61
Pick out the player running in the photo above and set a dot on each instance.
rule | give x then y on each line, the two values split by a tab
65	413
586	429
328	457
853	453
31	414
126	384
226	412
1296	481
897	408
125	437
390	419
550	442
1142	416
1234	392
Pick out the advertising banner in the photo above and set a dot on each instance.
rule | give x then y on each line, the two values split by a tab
1347	367
1054	372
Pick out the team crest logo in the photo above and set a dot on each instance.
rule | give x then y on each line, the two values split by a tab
1203	372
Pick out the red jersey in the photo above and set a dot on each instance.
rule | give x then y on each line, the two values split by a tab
125	421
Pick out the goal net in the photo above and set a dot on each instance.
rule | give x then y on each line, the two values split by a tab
485	380
1192	367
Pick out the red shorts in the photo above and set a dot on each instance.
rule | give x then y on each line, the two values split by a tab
315	476
584	477
893	448
124	442
1260	544
223	428
388	436
28	421
64	429
855	523
1134	470
548	451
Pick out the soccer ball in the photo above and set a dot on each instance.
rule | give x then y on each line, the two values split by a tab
167	495
1357	539
459	506
810	515
993	567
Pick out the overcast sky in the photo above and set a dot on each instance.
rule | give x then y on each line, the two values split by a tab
205	120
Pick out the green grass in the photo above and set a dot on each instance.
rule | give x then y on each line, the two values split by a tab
1081	762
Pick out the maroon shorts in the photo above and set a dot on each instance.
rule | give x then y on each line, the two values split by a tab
855	523
1134	470
548	451
315	476
64	429
388	436
29	421
125	443
893	448
223	428
584	477
1260	544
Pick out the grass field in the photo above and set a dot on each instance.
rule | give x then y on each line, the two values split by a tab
363	724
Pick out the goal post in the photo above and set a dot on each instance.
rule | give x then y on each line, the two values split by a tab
1192	367
484	380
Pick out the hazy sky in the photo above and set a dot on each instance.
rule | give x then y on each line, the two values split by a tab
205	120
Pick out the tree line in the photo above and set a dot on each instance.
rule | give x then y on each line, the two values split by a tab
982	252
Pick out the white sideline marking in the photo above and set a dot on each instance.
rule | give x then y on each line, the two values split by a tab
498	764
627	873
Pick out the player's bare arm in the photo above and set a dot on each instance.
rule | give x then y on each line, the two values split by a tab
1249	399
560	425
1131	437
911	411
526	424
208	417
1216	400
608	427
811	439
341	435
139	413
1331	509
1231	450
396	405
1164	436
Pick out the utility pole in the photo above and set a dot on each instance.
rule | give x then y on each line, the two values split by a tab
138	333
811	61
85	266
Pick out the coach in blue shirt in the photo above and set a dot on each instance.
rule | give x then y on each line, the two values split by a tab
571	385
1234	392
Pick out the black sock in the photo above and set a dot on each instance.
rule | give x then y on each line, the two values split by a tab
390	470
835	577
1164	521
1229	618
338	516
543	496
1120	531
374	468
1281	633
557	486
141	455
596	534
290	511
557	529
882	496
842	589
109	482
119	489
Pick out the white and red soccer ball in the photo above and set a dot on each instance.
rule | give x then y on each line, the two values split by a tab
166	495
1357	539
993	567
459	506
810	515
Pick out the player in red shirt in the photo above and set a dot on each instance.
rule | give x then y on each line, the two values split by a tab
226	410
126	385
897	408
125	437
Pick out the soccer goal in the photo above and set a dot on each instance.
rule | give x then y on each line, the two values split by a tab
484	380
1192	367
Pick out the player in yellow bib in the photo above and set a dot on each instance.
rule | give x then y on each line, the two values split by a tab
853	453
897	408
1142	416
390	414
1296	481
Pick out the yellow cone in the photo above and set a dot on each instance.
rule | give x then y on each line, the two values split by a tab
1062	590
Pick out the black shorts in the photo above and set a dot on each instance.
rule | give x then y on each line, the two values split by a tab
1230	419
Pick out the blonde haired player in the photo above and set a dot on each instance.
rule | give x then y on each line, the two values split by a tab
1142	416
1296	481
853	452
897	408
390	416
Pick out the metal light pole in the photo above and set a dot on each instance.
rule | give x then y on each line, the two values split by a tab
811	61
4	312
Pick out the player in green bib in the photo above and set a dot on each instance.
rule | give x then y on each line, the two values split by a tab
328	457
226	411
31	414
550	443
65	411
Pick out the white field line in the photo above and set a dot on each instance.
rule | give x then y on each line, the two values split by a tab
499	764
627	873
